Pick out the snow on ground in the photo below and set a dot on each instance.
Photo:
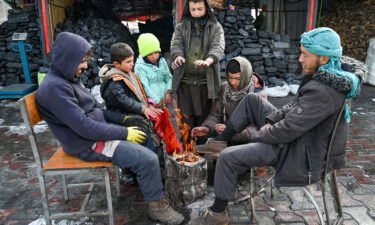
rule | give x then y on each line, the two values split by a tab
42	221
201	205
20	129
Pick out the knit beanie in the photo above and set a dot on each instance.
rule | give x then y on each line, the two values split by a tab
147	44
324	41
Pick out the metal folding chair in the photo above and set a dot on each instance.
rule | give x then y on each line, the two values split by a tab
63	164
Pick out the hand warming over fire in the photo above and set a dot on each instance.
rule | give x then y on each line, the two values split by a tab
178	62
168	99
199	131
152	112
219	128
203	63
266	126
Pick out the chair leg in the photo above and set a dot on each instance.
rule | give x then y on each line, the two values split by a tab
65	187
252	200
323	187
117	182
311	197
43	190
109	197
336	198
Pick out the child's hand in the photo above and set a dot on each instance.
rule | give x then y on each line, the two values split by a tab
199	131
178	62
152	112
203	63
168	98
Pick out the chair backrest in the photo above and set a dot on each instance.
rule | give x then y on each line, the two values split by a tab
333	134
31	116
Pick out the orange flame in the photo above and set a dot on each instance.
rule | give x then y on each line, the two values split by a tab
188	144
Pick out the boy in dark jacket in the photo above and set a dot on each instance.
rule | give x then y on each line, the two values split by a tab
240	82
91	133
123	92
303	127
121	89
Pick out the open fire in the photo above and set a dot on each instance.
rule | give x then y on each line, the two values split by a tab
188	144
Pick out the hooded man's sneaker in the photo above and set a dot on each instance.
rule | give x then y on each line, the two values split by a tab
212	218
161	210
212	146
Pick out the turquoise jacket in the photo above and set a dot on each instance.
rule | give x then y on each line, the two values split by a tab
155	80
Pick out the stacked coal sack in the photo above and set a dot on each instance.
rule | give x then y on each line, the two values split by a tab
272	55
101	33
19	21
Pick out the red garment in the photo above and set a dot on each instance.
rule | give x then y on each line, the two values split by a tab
164	128
99	146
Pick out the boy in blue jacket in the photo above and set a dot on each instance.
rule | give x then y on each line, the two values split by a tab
91	133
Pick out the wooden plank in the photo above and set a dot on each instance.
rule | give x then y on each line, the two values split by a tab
61	160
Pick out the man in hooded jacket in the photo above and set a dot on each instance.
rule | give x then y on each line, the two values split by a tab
196	48
302	129
94	134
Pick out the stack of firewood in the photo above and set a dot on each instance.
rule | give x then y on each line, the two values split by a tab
354	22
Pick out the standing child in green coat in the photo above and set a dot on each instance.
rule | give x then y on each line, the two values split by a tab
153	71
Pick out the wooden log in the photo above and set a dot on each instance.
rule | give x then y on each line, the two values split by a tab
185	182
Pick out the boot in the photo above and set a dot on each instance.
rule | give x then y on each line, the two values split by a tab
212	218
212	147
161	210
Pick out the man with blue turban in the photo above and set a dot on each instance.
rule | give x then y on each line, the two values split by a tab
301	129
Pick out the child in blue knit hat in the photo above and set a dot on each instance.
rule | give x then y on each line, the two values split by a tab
153	71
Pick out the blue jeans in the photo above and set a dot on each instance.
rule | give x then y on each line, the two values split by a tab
143	162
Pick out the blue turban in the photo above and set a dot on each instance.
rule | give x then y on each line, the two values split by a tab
324	41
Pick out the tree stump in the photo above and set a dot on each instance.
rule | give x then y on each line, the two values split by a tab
185	182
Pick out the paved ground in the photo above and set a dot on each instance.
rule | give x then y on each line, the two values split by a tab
20	201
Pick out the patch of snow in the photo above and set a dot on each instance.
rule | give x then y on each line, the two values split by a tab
2	121
373	99
20	129
9	103
39	221
42	221
201	205
278	91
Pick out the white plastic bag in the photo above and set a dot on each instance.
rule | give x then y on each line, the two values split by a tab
293	88
278	91
370	62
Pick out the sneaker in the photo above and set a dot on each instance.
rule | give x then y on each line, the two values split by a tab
212	218
127	177
161	211
212	146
